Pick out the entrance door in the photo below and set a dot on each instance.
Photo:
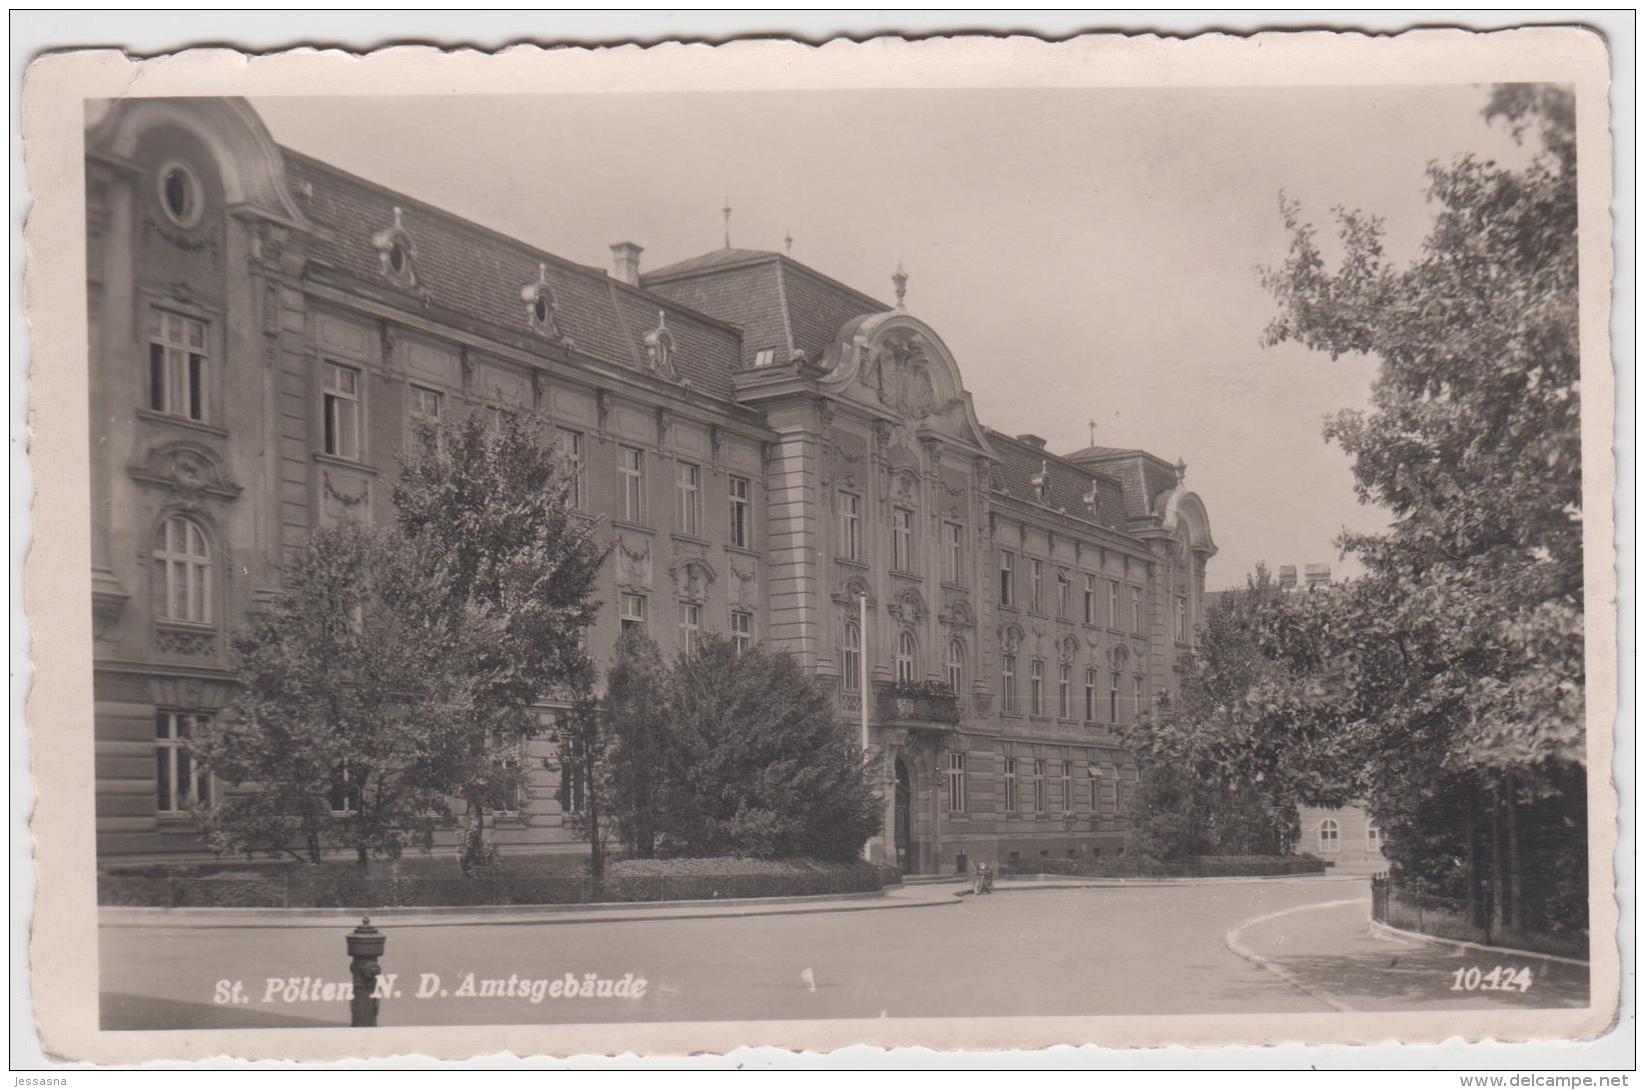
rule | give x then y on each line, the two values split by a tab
905	793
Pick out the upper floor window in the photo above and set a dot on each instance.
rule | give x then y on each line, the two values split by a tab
1136	609
1141	685
571	445
956	666
631	469
902	540
1064	593
180	783
1182	620
1036	580
742	629
1008	578
180	194
1065	692
342	411
905	657
1008	683
1036	687
742	519
182	563
765	357
953	553
1090	599
850	526
691	626
1113	603
179	368
690	489
1090	696
427	406
633	613
852	666
1114	697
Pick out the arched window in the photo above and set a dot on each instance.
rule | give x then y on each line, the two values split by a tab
1328	835
182	571
905	657
956	665
853	656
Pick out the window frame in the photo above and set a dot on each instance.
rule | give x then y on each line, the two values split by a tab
1036	687
1036	585
1091	679
179	377
570	442
848	525
631	474
1041	805
1182	618
954	668
334	400
740	491
1330	825
1065	594
1008	579
1114	604
953	552
1136	610
742	634
907	656
628	616
688	491
1067	777
171	749
691	627
902	540
851	657
1065	690
197	570
1008	776
958	800
1008	683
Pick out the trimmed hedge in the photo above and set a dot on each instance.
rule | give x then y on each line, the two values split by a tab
411	884
1200	866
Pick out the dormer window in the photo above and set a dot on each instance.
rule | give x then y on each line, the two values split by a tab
180	194
541	305
765	357
396	253
659	347
1042	483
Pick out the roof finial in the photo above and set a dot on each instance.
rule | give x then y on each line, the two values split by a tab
1093	426
899	280
788	241
1182	469
727	211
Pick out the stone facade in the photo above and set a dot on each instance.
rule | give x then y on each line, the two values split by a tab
767	448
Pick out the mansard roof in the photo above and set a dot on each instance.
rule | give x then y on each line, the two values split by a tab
1019	461
479	272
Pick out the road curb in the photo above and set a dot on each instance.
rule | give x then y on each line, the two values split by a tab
1232	940
1379	927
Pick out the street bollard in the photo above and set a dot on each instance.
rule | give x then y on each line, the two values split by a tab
365	946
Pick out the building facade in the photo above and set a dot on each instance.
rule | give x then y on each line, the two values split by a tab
773	454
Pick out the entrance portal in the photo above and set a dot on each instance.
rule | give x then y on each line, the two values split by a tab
905	793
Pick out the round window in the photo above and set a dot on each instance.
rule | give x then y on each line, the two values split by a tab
180	194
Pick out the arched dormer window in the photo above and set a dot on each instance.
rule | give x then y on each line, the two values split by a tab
182	572
541	305
396	253
906	652
660	348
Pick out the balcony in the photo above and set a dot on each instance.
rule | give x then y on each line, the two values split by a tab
917	705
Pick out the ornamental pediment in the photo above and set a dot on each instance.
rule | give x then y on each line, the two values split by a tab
187	468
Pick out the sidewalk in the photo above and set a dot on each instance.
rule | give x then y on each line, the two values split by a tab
921	895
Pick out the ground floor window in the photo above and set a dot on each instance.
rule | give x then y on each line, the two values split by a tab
180	783
1010	785
956	783
1329	839
344	794
1039	787
1068	787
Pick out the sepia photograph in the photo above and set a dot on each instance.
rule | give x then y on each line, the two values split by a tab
569	557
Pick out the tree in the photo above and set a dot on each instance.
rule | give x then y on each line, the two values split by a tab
637	713
487	502
341	730
1453	671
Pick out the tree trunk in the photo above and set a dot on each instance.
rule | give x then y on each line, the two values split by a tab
1476	915
362	859
596	850
1516	884
1498	887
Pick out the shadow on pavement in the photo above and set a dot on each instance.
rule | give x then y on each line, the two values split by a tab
125	1012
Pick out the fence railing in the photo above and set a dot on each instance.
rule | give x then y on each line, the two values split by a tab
1453	918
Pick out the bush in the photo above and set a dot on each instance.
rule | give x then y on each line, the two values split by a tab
1204	866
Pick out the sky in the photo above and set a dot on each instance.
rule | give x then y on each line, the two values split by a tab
1086	254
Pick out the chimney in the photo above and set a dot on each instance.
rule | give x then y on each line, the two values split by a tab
1287	577
625	262
1317	575
1032	440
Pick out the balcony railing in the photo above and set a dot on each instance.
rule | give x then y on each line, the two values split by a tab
917	703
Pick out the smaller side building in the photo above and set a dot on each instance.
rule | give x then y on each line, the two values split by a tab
1344	836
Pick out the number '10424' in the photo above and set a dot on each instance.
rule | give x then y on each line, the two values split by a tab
1503	978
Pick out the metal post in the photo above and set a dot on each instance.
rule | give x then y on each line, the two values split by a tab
862	689
365	946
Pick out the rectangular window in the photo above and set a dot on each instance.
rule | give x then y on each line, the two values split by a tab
571	445
513	800
765	357
426	405
343	798
1090	696
1141	701
1064	592
631	468
1068	787
573	793
1039	787
342	409
690	488
1136	609
1010	785
742	515
853	657
1008	578
1036	579
902	540
1036	688
1094	778
1114	697
1182	620
1113	603
850	526
1008	683
691	626
1090	599
1065	692
956	783
180	783
742	630
953	552
633	613
178	369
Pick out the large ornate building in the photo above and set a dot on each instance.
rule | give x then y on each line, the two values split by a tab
768	448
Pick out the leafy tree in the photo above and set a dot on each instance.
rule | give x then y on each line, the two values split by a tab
633	775
487	502
1449	680
346	717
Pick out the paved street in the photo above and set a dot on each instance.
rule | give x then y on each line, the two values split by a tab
1023	951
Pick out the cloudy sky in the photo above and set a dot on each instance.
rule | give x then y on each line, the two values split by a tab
1088	255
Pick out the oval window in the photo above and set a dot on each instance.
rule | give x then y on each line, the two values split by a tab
180	194
397	257
540	309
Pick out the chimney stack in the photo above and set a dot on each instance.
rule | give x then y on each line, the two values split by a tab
625	262
1287	577
1032	440
1317	575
